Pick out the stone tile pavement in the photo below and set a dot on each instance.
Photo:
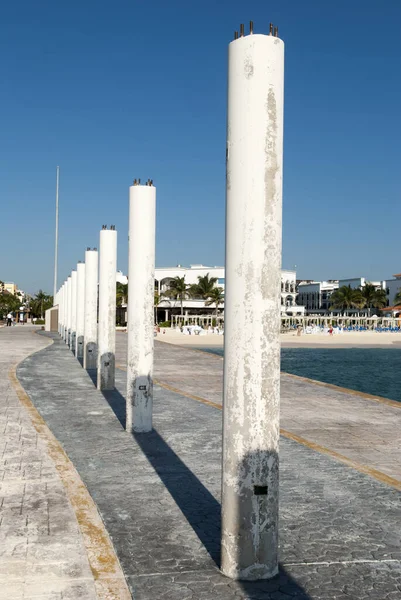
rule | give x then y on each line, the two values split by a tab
158	495
360	429
43	551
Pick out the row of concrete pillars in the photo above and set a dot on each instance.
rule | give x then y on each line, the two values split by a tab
252	307
87	308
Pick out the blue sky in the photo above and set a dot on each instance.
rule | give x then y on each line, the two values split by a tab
113	91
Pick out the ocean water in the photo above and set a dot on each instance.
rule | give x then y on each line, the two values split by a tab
371	370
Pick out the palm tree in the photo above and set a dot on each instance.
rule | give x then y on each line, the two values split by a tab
203	288
178	289
372	297
40	303
8	302
121	293
397	298
345	298
216	297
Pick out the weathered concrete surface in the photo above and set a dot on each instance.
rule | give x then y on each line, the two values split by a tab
360	429
251	390
159	493
141	289
90	319
42	554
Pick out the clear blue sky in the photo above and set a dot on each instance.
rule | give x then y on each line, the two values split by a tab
116	90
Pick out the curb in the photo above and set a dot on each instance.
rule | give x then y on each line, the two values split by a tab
110	583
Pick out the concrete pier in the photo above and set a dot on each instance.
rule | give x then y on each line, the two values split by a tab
252	308
79	342
90	325
159	493
142	228
107	309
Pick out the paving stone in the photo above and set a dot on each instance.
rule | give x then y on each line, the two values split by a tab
41	549
159	493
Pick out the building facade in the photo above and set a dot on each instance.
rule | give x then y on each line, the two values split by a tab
167	306
315	295
360	282
11	287
392	287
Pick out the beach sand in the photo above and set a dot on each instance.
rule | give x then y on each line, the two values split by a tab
360	339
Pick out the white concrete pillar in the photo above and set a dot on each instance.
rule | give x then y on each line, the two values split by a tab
252	307
107	310
140	328
65	308
73	310
90	324
79	342
69	308
60	310
61	306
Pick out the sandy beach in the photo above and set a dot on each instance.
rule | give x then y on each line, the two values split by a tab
362	339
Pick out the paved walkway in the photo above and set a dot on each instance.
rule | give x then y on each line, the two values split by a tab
348	425
158	494
43	553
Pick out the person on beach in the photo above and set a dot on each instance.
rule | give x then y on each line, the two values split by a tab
9	319
331	330
21	319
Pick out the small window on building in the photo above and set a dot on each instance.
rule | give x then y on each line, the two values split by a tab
221	280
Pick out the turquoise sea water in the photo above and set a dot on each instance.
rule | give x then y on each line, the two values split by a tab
371	370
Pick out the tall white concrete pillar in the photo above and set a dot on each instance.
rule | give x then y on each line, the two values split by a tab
65	308
252	307
73	310
106	358
90	324
69	308
140	328
60	310
79	341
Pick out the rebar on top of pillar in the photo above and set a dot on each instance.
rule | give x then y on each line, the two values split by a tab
242	30
271	29
276	31
236	35
251	27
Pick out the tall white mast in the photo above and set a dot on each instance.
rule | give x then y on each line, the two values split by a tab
56	241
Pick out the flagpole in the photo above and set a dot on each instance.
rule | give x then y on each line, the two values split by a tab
56	241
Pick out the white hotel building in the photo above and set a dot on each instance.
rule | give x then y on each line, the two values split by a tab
315	295
195	306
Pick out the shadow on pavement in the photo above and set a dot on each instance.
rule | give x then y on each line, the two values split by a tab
198	505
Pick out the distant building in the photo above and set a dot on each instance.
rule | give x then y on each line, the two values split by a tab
315	295
191	306
164	275
11	287
121	278
393	286
289	294
360	282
